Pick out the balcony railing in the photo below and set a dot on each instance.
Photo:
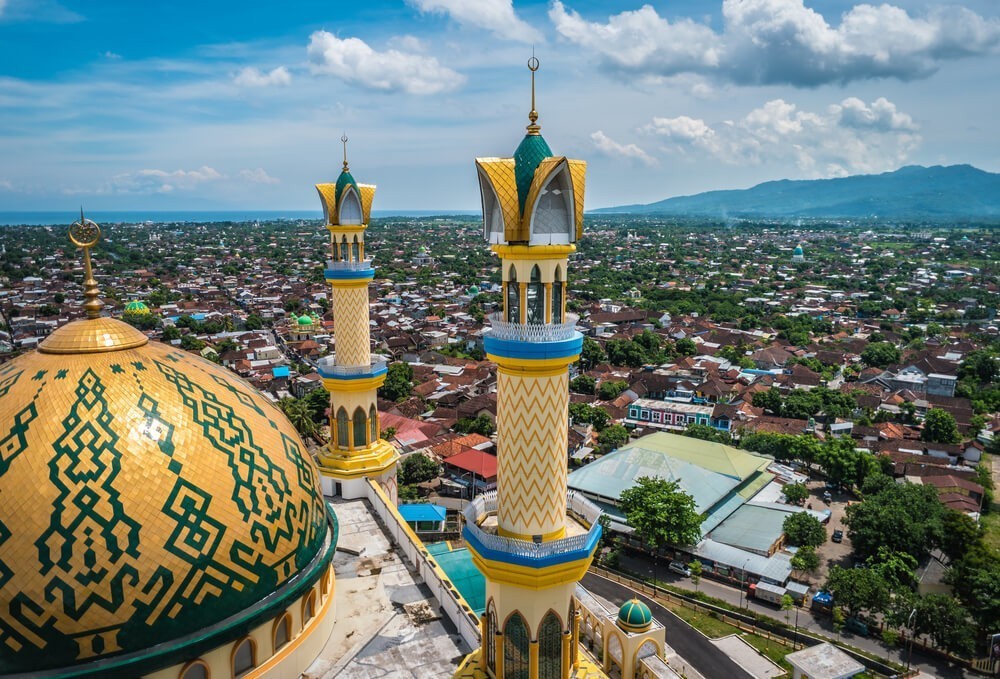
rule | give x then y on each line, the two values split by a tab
532	332
338	265
486	504
328	367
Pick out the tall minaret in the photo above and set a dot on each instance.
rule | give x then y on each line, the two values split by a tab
530	551
352	375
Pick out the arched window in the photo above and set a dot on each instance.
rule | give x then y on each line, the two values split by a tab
196	669
515	648
350	207
536	297
513	297
355	251
309	607
550	647
244	657
343	429
373	424
557	297
491	638
552	219
360	427
282	631
343	249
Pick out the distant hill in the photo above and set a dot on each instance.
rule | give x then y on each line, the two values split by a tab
911	192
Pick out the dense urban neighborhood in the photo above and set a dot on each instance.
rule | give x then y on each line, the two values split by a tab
820	401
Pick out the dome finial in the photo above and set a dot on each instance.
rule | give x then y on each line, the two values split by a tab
84	234
533	64
343	140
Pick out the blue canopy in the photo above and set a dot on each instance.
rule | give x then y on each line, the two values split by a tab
422	512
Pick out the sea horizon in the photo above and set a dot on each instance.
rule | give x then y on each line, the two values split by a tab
60	217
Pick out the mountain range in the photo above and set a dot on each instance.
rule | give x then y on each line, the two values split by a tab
935	193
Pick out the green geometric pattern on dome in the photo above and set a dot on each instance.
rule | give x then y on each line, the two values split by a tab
93	550
136	307
532	150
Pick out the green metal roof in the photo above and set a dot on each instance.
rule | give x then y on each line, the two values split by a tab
343	180
532	150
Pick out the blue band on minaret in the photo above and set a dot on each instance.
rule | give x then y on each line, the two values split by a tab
348	274
537	350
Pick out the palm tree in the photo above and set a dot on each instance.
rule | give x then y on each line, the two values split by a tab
298	413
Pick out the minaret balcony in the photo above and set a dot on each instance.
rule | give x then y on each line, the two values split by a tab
341	270
583	530
328	369
532	332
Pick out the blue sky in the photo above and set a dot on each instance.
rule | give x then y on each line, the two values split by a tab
219	105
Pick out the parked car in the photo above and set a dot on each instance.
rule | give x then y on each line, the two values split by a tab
838	535
679	568
856	626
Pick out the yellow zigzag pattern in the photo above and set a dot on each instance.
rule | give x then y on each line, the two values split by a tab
351	331
532	422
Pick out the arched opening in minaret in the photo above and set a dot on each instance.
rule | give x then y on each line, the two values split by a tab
493	224
552	216
557	296
491	638
373	424
536	297
550	647
513	297
515	648
355	251
350	207
360	428
343	429
344	252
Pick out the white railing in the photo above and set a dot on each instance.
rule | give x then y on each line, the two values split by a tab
583	506
532	332
329	366
486	504
338	265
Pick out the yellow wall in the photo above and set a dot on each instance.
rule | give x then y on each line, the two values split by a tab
352	338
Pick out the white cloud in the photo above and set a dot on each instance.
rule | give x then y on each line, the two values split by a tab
259	176
354	61
3	3
254	77
849	137
161	181
783	41
5	183
610	147
496	16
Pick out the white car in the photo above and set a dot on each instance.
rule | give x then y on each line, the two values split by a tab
679	568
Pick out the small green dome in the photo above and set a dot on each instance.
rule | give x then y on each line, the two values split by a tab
634	616
474	290
799	251
305	320
136	307
532	150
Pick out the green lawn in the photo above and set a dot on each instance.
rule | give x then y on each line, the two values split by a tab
991	523
711	627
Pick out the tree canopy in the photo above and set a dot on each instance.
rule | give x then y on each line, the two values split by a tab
901	517
398	383
660	512
804	530
940	427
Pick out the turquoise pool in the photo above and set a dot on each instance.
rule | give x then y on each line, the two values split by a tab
457	563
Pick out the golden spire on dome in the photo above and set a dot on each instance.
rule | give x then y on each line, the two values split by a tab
84	234
343	140
533	64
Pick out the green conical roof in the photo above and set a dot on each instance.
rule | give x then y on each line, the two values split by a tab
343	181
532	150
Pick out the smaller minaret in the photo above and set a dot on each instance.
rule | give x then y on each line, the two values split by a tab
352	375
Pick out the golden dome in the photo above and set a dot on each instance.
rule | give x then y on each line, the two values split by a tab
146	496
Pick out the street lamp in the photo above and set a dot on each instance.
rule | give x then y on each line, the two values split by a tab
743	576
909	623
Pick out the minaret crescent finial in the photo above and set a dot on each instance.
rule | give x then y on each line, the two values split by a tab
534	127
84	234
343	140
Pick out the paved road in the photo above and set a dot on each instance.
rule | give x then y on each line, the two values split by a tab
688	642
